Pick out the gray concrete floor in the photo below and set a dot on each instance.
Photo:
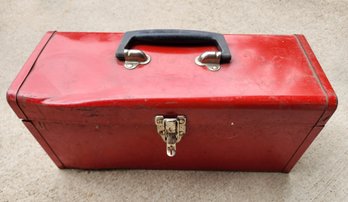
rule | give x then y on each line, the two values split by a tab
26	172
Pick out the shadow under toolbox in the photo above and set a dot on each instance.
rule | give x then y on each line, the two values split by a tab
173	99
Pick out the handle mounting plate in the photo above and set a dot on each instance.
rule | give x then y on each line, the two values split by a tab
134	57
209	59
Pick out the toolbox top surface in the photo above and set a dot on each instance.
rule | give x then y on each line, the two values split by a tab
79	68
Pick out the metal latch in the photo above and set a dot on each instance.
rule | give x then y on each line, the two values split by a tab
209	59
171	131
134	57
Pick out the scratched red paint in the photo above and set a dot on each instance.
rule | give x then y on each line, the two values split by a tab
255	114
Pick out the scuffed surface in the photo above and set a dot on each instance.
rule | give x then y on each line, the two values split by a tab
26	173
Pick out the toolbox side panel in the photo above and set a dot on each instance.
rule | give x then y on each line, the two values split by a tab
304	146
41	140
332	100
11	94
331	103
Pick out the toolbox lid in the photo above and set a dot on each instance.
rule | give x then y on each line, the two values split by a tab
77	69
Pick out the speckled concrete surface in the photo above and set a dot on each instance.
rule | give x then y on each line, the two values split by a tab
26	173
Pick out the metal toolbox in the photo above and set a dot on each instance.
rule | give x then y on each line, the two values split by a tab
173	99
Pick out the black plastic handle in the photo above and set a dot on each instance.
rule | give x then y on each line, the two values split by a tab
174	37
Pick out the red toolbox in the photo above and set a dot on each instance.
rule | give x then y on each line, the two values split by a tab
173	99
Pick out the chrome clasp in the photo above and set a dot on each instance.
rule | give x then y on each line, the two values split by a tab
171	131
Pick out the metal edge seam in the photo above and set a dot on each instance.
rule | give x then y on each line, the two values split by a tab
45	141
32	67
323	90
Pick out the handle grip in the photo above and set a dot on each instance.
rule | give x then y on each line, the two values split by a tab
174	37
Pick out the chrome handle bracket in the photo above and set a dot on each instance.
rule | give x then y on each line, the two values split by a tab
209	59
134	57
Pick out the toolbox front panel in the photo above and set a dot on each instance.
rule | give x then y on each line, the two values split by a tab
224	139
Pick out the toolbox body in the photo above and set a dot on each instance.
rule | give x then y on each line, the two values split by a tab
258	111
